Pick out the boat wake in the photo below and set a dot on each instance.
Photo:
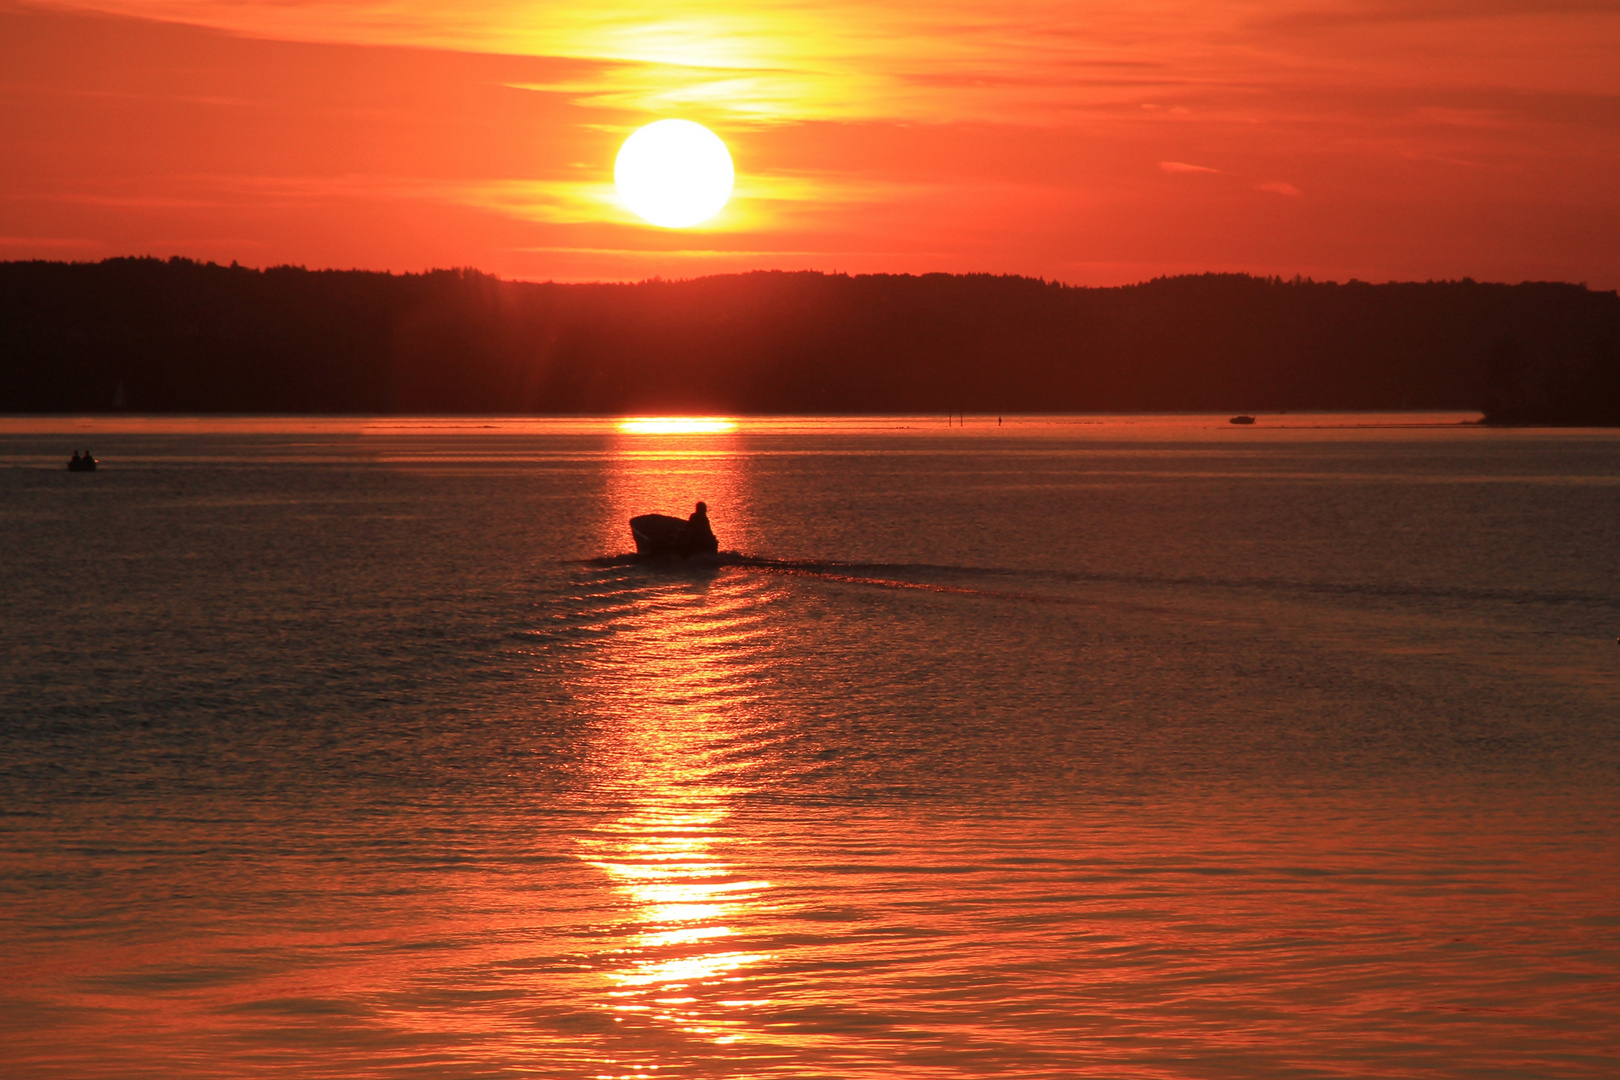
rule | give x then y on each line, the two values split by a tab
1030	585
922	577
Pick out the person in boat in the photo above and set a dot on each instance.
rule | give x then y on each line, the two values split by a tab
74	464
698	522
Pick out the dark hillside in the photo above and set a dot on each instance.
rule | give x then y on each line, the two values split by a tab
179	336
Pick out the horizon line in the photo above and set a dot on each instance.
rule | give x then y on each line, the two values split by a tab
1271	279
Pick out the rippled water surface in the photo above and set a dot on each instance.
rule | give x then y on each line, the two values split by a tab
1140	748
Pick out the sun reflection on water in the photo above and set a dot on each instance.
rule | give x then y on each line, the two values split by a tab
682	731
665	465
676	425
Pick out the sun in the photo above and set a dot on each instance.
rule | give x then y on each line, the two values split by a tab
674	173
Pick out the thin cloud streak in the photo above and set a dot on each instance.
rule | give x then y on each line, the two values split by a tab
924	62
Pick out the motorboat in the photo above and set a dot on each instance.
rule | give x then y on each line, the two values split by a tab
1241	420
660	534
81	464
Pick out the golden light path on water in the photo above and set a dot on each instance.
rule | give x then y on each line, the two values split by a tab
675	684
676	425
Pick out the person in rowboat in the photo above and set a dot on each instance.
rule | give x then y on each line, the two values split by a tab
698	522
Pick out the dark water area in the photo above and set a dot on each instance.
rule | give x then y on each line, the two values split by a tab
1119	747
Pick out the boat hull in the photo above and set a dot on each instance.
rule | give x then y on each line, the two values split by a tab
662	535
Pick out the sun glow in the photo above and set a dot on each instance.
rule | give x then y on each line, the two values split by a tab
676	425
674	173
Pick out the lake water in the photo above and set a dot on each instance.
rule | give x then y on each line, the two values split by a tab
1143	747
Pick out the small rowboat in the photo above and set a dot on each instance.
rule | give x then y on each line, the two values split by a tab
1241	420
660	534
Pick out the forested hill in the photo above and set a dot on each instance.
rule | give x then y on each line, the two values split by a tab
178	336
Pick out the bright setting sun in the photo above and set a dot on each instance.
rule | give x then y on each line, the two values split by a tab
674	173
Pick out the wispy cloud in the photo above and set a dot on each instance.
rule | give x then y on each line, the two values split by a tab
1347	12
1280	187
1183	167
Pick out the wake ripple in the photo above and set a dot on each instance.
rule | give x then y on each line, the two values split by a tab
1020	581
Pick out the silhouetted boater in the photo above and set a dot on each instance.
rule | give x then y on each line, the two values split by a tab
699	522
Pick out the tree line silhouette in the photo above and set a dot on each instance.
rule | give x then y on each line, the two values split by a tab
149	335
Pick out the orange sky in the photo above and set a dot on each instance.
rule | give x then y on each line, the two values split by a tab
1092	141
